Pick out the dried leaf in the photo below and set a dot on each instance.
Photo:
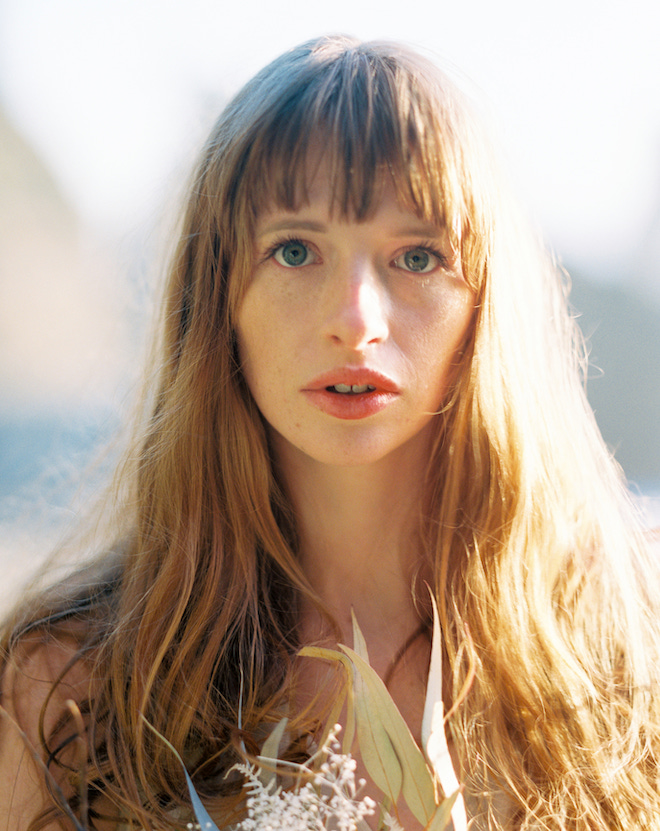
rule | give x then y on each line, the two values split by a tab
433	709
433	730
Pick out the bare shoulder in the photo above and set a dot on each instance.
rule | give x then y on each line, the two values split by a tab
38	679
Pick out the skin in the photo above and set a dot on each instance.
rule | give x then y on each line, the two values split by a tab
352	303
22	789
353	300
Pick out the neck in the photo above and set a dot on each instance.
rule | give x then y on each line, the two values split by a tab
358	528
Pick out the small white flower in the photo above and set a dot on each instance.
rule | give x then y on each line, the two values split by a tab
327	799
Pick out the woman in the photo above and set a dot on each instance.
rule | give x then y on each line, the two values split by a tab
366	382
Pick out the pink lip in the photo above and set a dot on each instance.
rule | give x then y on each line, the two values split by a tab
357	376
346	406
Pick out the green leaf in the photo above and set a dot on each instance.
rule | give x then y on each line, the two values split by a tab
395	748
359	643
270	753
349	730
376	748
201	814
388	749
378	752
442	816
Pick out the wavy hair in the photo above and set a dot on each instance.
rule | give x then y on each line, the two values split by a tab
189	618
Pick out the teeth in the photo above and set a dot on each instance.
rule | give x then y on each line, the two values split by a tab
355	389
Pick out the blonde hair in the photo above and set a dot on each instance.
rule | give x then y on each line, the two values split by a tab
191	613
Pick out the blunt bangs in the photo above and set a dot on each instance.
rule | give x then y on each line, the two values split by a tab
368	111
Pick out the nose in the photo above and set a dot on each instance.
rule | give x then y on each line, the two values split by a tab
357	306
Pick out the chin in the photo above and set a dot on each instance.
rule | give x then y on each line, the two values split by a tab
359	450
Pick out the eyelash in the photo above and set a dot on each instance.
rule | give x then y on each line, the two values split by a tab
280	243
428	247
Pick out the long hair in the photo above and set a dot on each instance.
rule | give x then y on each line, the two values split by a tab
188	619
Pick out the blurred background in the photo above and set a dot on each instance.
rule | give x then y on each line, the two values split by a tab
104	102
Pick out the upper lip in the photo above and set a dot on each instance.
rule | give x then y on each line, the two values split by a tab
355	376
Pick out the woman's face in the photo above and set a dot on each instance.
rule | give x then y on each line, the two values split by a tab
349	331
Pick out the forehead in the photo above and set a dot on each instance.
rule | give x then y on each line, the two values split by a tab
318	212
324	182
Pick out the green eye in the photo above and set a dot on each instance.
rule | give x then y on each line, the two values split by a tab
418	260
292	254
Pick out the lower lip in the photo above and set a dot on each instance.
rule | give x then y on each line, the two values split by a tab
348	406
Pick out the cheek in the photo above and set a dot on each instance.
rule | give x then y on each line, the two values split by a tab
443	338
459	319
261	336
444	324
250	333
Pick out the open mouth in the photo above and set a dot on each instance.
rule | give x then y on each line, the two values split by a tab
372	392
351	389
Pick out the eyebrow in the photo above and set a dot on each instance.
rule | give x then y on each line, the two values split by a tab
293	224
425	229
422	230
